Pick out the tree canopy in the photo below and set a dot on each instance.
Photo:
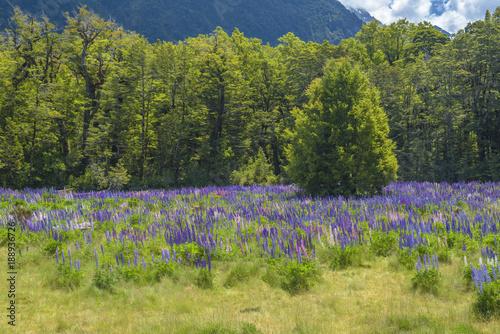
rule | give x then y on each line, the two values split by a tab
92	106
340	144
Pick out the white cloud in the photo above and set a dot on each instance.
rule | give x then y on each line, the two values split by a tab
455	14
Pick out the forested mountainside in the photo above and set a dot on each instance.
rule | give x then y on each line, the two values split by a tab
93	104
172	20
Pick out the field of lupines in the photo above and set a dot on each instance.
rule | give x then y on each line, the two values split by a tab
107	242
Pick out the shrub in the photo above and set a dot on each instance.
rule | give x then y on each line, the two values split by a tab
339	258
407	257
272	276
487	303
135	274
257	171
427	281
205	279
51	246
163	269
383	243
444	255
105	279
118	177
298	277
68	277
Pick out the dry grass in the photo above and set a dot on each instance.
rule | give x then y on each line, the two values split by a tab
372	299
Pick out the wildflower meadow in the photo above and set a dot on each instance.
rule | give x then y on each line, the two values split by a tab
418	258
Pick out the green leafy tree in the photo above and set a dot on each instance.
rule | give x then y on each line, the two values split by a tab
257	171
340	144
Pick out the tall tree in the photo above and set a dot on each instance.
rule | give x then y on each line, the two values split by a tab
341	144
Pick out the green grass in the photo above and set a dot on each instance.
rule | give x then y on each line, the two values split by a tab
374	298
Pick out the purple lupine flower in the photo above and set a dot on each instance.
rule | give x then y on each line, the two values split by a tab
96	259
117	261
64	260
209	262
57	255
69	255
20	253
102	249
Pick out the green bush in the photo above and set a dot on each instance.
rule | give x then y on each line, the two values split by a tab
272	276
339	258
383	243
163	269
67	277
487	304
427	281
205	279
444	255
407	257
118	177
299	277
257	171
105	279
51	246
135	274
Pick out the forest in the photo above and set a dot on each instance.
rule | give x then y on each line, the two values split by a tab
93	106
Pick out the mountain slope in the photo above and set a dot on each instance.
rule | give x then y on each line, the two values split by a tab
173	20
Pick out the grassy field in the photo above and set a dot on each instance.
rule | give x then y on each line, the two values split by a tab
371	294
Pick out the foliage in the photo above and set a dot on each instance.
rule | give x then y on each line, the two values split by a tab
67	277
407	257
240	273
91	106
342	258
340	143
427	281
383	243
298	277
311	22
205	279
105	279
50	247
257	171
487	303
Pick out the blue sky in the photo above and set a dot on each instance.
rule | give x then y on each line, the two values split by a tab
450	15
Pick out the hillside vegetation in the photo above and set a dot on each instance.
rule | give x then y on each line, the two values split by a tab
170	20
95	107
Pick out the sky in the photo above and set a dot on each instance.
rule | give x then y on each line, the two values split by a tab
451	15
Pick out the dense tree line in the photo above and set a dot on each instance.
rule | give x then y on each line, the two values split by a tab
94	105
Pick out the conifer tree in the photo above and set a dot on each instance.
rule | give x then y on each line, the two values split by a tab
340	144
